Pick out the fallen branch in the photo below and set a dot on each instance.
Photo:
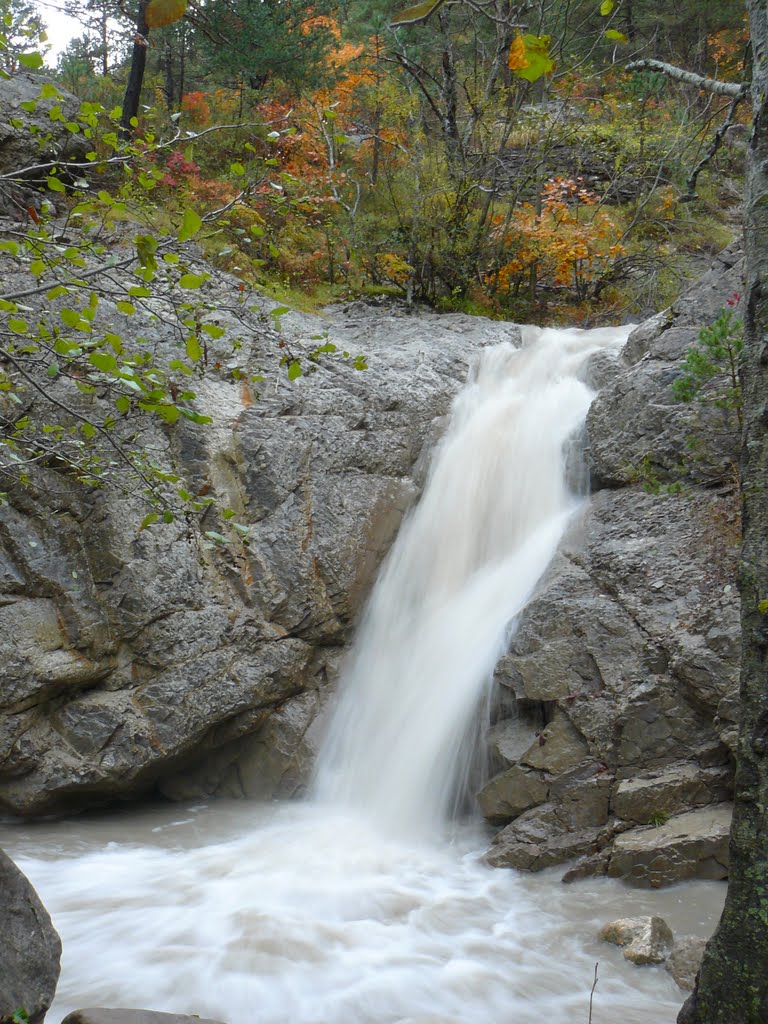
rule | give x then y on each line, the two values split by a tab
713	85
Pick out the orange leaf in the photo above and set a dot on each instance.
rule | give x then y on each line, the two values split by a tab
517	59
164	12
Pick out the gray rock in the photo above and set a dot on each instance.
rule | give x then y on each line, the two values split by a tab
138	661
652	799
685	959
30	950
628	653
690	845
38	140
646	940
103	1015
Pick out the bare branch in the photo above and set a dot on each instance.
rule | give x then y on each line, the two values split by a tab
712	85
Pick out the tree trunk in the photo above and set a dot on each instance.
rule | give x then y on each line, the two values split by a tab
732	987
136	74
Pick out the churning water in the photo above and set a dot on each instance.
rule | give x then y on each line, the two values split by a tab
364	906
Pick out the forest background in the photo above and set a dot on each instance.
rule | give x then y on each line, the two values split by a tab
495	158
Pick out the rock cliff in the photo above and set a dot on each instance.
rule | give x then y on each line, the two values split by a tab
618	695
137	662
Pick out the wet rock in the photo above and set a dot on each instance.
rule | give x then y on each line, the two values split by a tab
511	793
629	649
30	949
690	845
103	1015
646	940
685	959
140	661
653	798
539	838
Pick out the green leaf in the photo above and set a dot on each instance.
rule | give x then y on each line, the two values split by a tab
126	307
11	247
57	291
606	7
613	33
213	330
294	370
169	413
192	280
53	370
18	326
537	59
237	168
123	403
33	61
37	267
195	417
103	361
194	349
190	225
70	317
148	520
55	185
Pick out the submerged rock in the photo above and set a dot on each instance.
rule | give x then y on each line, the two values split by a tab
30	949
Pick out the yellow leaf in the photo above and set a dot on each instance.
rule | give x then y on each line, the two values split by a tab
164	12
517	59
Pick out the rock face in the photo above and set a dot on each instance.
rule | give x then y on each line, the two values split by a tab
38	140
30	949
623	674
137	661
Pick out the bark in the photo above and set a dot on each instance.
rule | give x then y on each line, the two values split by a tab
712	85
136	74
732	987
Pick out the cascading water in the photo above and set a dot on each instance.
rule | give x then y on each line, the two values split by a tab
341	911
493	510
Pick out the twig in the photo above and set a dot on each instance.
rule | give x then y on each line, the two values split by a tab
592	993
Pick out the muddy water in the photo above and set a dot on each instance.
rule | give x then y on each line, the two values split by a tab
299	915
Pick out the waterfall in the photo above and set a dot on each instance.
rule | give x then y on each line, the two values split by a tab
465	563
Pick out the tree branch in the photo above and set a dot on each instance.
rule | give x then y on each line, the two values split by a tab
712	85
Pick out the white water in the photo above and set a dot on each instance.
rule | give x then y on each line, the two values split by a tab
493	511
312	914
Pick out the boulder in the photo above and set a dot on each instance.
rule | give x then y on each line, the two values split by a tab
30	950
685	959
690	845
646	940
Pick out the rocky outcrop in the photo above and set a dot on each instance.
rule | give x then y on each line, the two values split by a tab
31	140
622	676
138	661
30	949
